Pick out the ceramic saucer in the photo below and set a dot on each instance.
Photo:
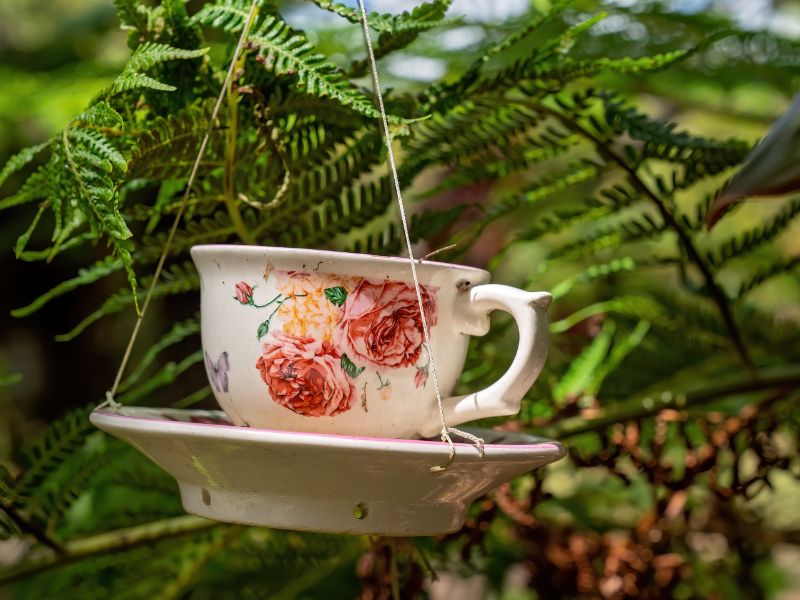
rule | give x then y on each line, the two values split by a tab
318	482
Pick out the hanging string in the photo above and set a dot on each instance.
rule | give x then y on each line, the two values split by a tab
181	209
387	138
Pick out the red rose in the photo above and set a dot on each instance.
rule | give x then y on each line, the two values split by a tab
244	292
381	324
305	375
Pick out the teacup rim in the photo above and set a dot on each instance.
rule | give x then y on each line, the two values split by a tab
335	254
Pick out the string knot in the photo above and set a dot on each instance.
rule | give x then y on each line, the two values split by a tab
109	402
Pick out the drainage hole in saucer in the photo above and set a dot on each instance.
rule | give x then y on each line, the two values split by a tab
360	511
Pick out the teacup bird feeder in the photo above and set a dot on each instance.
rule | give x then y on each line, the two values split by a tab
331	369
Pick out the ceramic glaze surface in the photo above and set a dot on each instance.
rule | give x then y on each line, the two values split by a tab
320	482
316	341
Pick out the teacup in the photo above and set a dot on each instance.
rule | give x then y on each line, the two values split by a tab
332	342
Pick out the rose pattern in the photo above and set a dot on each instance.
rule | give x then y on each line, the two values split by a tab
304	375
381	324
332	328
244	293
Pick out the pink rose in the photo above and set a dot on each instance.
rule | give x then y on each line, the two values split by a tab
244	292
381	324
305	376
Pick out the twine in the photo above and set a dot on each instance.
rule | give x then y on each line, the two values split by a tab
387	138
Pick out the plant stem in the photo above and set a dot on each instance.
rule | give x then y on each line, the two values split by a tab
26	526
716	292
230	160
639	407
111	541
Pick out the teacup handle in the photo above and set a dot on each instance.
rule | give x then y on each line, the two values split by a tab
504	396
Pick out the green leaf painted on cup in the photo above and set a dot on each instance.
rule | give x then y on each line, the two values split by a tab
263	330
347	365
337	295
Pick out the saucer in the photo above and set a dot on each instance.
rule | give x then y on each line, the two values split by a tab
319	482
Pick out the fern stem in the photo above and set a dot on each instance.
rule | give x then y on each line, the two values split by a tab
640	407
112	541
26	526
230	159
713	288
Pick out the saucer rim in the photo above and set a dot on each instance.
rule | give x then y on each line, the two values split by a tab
134	423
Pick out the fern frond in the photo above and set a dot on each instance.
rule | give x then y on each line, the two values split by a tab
550	184
406	28
594	272
468	128
135	81
150	54
33	189
620	350
386	23
175	279
351	161
744	243
20	159
285	52
355	207
634	229
390	240
50	508
132	15
86	276
170	139
178	333
168	373
582	368
662	141
764	275
145	57
214	229
605	202
60	442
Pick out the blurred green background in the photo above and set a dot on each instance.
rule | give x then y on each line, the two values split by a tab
56	54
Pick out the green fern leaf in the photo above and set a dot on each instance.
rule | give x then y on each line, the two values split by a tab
99	270
745	243
582	369
178	333
287	53
19	160
766	274
61	441
175	279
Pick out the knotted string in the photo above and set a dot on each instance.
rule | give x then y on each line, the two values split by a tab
387	138
109	401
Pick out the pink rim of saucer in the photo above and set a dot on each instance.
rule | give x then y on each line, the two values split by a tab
544	445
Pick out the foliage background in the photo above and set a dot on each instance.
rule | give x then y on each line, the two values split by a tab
592	520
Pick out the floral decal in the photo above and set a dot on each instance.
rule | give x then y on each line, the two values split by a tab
381	324
305	376
332	329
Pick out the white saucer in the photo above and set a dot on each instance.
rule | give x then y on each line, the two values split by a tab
317	482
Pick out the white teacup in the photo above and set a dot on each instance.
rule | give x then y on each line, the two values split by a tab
331	342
